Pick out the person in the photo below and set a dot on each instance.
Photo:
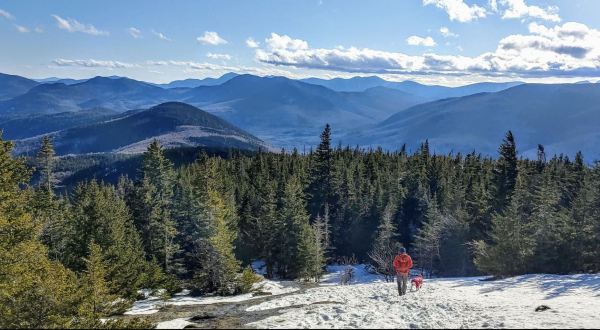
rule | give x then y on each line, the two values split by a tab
402	265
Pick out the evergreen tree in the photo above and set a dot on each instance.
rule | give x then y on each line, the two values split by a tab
94	286
216	255
294	257
512	246
318	247
385	245
34	291
45	162
99	215
321	174
154	205
505	173
428	242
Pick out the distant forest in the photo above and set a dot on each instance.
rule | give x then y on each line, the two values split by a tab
65	258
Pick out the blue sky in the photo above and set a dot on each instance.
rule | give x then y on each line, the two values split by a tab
432	41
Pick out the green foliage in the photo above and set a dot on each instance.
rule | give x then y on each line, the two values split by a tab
247	280
45	162
153	208
194	226
96	297
34	291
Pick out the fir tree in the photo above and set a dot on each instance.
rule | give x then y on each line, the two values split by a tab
385	245
505	173
94	286
45	162
154	207
321	174
34	291
512	246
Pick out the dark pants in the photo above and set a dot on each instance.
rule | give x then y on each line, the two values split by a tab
402	280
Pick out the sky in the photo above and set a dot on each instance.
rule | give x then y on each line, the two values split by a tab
446	42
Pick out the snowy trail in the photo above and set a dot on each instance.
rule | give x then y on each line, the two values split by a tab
369	302
443	303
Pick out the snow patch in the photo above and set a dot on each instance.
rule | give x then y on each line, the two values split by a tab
173	324
574	302
152	304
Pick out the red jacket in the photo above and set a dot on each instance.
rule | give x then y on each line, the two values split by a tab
403	263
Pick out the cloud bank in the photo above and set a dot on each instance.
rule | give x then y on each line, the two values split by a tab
570	49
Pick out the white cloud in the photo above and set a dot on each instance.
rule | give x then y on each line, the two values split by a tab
21	29
211	38
5	14
284	42
218	56
73	25
519	9
494	5
420	41
250	42
458	10
39	29
191	66
134	32
161	36
91	63
571	49
447	33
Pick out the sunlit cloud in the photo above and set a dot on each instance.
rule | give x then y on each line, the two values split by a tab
72	25
211	38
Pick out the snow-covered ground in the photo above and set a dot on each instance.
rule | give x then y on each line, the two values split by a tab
369	302
574	302
153	303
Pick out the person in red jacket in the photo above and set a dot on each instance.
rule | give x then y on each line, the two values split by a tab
402	265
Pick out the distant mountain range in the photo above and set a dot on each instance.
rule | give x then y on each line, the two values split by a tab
277	107
173	124
431	92
191	83
12	86
364	111
564	118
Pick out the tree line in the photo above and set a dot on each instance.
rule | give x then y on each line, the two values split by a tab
68	260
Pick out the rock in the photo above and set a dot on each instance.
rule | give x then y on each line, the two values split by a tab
542	308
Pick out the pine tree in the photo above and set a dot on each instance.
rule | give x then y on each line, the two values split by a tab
216	254
321	174
385	245
512	246
428	241
154	208
295	256
100	215
94	286
45	162
319	247
505	173
34	291
46	208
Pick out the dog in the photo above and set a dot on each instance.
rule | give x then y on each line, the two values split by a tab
417	282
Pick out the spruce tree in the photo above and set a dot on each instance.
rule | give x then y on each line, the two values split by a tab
34	291
512	246
45	162
428	241
94	286
385	245
505	173
321	174
294	258
219	266
154	208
